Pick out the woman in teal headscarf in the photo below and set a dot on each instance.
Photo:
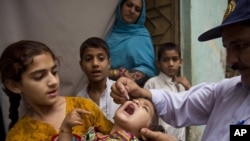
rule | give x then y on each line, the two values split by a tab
131	47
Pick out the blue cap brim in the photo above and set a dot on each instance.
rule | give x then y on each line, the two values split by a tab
216	31
237	11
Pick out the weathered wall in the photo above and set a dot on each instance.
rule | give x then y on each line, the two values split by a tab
203	61
62	25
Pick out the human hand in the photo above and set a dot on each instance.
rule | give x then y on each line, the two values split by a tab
74	118
156	135
184	82
124	86
124	72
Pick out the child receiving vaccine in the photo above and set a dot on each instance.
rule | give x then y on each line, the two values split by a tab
130	118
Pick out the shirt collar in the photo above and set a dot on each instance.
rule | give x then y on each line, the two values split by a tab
166	78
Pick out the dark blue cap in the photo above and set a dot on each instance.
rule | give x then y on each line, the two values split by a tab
237	11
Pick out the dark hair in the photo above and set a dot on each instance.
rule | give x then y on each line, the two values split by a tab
94	42
123	1
13	62
154	125
167	46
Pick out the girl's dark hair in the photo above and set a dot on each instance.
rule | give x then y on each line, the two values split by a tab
94	42
13	62
154	126
167	46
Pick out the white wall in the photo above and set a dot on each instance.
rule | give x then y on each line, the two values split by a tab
61	24
203	61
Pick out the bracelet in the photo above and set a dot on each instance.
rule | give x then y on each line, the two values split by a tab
64	131
115	74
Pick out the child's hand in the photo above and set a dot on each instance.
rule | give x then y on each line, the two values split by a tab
74	118
184	82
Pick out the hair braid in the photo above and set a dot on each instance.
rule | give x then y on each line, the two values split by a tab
14	100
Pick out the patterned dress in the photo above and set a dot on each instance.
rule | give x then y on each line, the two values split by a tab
119	135
29	129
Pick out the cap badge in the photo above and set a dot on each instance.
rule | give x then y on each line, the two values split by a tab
230	9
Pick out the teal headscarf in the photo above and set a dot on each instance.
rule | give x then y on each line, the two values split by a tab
130	45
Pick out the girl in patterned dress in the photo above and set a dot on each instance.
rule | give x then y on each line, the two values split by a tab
29	71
